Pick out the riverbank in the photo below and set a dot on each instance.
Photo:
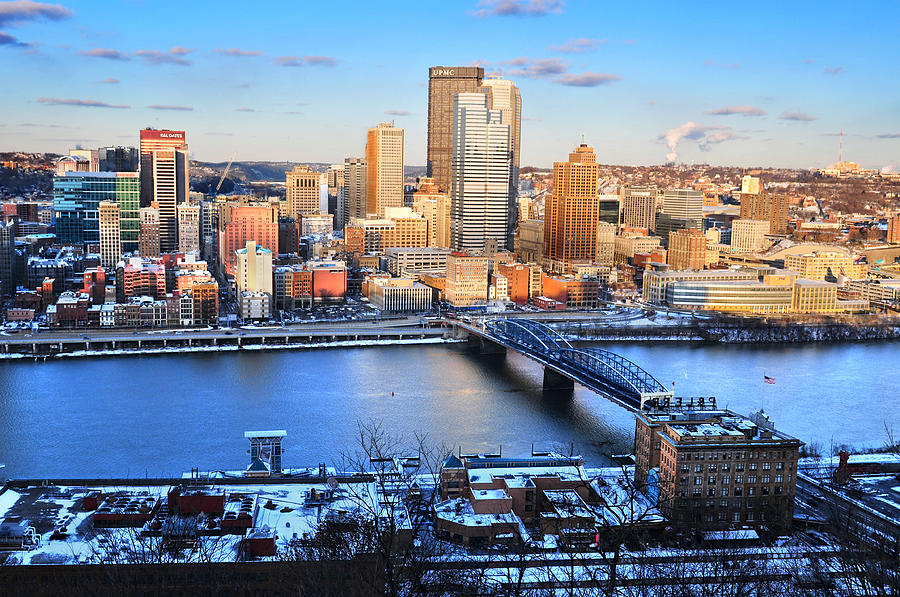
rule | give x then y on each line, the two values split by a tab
231	348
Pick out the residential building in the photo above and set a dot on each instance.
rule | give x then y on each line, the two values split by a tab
110	234
480	176
467	279
687	249
770	207
140	276
715	469
253	268
750	185
303	192
570	212
398	295
384	169
444	83
749	236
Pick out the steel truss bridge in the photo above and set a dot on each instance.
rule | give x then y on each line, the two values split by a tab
600	370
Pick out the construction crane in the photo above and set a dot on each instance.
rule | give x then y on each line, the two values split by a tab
224	174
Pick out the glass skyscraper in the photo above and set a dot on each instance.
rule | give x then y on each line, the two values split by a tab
76	200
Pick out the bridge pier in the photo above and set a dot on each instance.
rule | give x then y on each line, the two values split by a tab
555	381
485	346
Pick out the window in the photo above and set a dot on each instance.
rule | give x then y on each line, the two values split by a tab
711	492
683	481
751	491
696	492
698	468
779	478
738	492
765	490
750	517
685	468
724	492
739	479
712	480
726	467
778	489
767	466
723	516
753	466
698	480
739	467
712	468
766	478
710	504
779	466
736	517
709	517
751	479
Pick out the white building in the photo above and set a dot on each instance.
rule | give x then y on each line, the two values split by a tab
399	294
479	175
254	269
188	228
749	236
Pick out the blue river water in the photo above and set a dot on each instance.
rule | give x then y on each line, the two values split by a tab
160	415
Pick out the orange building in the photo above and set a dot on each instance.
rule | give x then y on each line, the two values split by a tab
355	239
893	235
573	292
518	281
239	224
687	249
766	206
571	213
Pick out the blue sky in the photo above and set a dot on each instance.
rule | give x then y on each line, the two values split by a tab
302	81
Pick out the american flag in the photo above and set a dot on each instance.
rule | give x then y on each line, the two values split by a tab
768	379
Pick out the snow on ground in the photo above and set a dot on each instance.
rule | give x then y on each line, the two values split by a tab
7	499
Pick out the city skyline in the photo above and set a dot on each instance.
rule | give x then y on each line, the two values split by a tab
741	88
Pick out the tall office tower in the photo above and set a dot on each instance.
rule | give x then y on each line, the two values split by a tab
149	243
188	228
110	234
118	159
750	185
467	279
503	95
76	199
639	207
8	278
479	187
168	192
354	189
384	169
748	236
570	212
152	140
241	223
444	82
684	204
687	249
208	220
766	206
303	192
335	181
92	157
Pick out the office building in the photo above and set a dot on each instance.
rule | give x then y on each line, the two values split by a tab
657	281
770	207
8	279
209	217
384	169
731	296
319	224
188	228
627	246
638	206
76	200
91	156
240	223
681	209
479	176
606	244
354	189
716	469
444	83
399	295
467	280
825	265
253	268
303	192
110	234
503	95
687	249
411	262
570	212
434	205
519	280
530	241
118	159
149	233
893	233
152	140
749	236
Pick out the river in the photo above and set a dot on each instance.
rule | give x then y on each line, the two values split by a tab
164	414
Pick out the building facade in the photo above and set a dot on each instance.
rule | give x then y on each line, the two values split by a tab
467	280
110	234
354	189
76	200
303	192
570	212
444	82
384	169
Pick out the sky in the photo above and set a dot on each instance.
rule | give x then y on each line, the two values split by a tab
644	82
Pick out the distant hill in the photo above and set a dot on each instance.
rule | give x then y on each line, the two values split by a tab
245	172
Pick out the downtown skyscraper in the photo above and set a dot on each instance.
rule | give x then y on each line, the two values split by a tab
384	169
165	178
480	175
444	82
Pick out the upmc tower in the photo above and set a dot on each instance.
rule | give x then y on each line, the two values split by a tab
444	82
164	179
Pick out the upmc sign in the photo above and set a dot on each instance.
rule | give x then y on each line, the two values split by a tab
152	134
443	72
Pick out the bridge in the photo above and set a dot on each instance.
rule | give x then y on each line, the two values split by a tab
603	371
